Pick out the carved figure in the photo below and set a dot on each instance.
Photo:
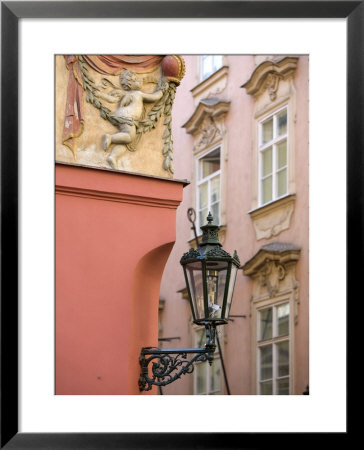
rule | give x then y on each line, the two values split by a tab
130	110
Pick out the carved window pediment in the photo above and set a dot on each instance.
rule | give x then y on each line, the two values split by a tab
267	75
206	124
272	269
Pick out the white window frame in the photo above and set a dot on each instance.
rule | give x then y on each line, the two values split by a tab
208	179
216	65
208	368
273	143
273	341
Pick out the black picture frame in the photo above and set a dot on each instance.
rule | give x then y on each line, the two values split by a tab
11	12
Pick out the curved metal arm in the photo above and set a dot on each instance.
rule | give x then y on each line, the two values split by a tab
160	367
167	365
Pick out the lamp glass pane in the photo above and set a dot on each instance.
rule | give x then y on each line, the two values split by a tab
195	283
216	272
234	271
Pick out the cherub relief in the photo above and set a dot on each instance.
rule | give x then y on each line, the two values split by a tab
129	112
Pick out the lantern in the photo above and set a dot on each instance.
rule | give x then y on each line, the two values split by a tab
210	274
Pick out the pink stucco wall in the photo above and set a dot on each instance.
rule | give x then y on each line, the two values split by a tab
240	234
114	233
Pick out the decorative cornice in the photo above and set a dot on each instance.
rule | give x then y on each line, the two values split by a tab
208	108
268	74
270	267
279	253
116	197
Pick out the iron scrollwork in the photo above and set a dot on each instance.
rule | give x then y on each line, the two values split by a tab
160	367
167	365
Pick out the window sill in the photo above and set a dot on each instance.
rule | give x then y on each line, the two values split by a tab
217	81
274	217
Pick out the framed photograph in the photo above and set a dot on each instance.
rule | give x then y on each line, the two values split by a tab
32	33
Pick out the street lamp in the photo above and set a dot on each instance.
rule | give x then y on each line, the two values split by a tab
210	274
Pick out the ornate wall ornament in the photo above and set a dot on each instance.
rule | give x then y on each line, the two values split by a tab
124	86
268	74
209	133
270	275
207	122
272	269
272	219
271	85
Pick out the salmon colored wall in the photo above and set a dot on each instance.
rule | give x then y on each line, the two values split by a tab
114	232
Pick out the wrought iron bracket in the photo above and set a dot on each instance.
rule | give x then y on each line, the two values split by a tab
160	367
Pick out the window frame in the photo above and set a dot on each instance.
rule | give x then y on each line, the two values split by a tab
215	67
200	181
273	341
273	144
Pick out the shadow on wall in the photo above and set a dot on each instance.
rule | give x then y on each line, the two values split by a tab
144	307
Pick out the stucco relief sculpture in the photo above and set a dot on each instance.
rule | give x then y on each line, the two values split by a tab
128	114
143	87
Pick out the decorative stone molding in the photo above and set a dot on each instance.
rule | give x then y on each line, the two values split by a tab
266	76
272	269
207	123
271	219
212	86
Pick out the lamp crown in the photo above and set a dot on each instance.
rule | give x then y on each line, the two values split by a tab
210	232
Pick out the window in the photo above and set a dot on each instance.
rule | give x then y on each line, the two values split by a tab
209	65
273	350
207	378
273	164
208	186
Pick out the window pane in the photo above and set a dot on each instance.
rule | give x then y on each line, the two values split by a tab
281	182
201	378
266	362
210	63
203	189
283	386
266	388
215	189
283	359
215	373
202	216
283	320
267	190
267	131
210	163
215	211
206	66
282	154
282	123
267	162
265	324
